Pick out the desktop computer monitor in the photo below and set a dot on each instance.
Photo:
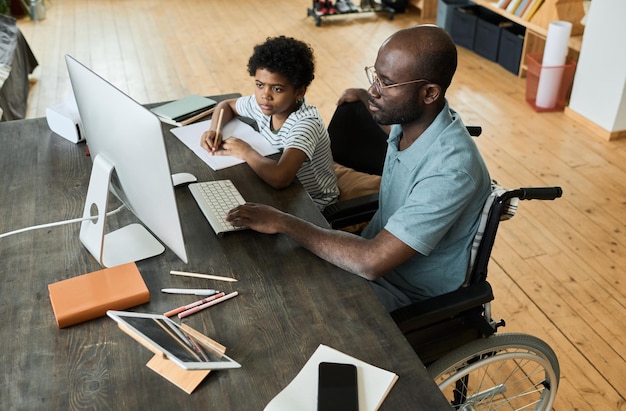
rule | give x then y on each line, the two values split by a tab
127	147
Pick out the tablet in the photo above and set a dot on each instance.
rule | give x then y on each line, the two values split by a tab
178	345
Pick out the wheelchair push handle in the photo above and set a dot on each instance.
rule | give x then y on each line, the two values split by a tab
540	193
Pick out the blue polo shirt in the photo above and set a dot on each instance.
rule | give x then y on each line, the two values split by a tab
431	198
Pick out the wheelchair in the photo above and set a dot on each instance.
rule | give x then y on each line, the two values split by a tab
454	334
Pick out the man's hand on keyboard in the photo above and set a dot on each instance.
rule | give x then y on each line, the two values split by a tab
258	217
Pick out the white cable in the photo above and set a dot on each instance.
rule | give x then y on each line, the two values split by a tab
75	220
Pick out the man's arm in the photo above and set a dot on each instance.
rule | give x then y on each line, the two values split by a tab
369	258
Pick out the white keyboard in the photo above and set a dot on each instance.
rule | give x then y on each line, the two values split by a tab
216	199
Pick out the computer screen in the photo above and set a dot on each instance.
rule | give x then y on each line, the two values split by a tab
127	147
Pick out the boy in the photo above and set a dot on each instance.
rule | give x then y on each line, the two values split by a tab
282	68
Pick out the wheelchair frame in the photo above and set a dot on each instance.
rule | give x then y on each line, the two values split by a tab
455	335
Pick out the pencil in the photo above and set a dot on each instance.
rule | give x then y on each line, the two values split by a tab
197	117
194	304
218	128
197	308
207	276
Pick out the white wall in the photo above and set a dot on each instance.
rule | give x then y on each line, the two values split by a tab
599	89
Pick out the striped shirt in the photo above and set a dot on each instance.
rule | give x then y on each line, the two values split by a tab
304	130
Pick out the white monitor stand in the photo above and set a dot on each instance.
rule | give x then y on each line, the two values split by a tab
130	243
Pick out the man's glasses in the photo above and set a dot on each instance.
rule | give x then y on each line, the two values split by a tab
372	77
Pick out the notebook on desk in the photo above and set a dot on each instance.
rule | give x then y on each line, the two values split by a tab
187	108
88	296
374	383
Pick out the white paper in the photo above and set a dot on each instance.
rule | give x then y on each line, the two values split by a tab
301	393
190	135
554	55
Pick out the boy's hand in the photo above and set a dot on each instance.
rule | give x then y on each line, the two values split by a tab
232	146
351	95
208	142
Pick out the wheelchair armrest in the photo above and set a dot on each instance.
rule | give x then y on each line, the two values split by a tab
474	131
423	313
352	211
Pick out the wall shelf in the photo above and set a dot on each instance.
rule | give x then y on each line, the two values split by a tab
537	27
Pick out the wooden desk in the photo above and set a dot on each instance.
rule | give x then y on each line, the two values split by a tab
290	301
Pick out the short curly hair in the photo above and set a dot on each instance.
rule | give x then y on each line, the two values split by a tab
286	56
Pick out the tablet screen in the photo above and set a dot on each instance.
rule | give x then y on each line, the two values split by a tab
169	338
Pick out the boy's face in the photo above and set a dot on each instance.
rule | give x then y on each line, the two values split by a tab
274	94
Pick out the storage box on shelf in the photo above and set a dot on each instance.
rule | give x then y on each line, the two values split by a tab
487	37
463	26
445	8
510	47
537	28
477	29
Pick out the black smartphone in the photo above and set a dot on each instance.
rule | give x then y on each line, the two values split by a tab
337	387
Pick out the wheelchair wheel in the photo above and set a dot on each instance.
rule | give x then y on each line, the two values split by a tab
505	371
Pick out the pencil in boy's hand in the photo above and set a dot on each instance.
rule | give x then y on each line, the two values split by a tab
218	129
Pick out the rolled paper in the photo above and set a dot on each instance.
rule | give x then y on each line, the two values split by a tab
554	55
555	50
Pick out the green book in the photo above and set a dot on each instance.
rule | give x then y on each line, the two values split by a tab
184	108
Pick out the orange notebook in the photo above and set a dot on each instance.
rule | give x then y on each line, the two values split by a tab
91	295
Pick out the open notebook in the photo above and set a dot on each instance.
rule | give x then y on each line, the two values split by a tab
301	393
190	135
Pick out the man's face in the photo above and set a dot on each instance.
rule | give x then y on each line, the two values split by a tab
388	110
394	105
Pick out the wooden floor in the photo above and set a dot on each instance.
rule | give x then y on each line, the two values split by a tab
557	268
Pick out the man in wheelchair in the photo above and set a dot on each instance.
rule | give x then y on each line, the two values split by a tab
433	187
435	200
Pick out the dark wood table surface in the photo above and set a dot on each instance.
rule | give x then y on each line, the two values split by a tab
290	301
